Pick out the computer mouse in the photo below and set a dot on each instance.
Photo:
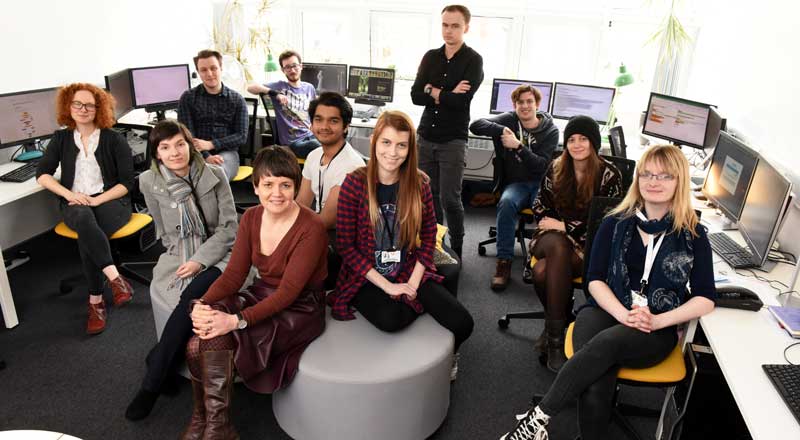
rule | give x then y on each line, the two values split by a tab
364	119
737	297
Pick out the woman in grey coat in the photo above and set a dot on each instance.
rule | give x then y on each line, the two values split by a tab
192	207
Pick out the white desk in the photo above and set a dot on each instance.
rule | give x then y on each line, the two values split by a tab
742	341
26	210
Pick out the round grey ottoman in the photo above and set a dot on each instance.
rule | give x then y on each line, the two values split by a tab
357	382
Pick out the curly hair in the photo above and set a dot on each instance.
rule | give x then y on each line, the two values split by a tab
103	118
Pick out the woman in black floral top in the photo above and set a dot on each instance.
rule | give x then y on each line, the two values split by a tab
562	209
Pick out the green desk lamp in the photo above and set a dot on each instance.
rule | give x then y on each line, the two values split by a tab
624	77
271	65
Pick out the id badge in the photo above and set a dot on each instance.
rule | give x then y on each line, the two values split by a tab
390	256
638	299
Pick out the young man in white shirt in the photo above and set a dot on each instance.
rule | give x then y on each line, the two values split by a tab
327	166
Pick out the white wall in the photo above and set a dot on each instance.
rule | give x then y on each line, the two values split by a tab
46	43
746	62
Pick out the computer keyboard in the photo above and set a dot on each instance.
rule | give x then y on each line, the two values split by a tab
362	114
20	174
786	379
730	251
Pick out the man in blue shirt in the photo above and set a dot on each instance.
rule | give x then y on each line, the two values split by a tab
290	99
215	115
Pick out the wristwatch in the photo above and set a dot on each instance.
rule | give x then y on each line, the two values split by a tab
242	324
428	90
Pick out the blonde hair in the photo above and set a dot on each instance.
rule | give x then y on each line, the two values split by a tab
670	159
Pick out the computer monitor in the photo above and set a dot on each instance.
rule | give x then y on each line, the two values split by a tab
159	88
119	85
763	210
730	175
326	77
501	94
371	85
27	116
576	99
682	121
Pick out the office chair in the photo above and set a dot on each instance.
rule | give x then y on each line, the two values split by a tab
625	166
667	374
138	222
273	123
598	208
616	138
248	150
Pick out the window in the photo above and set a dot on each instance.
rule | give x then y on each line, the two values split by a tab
332	36
491	36
399	39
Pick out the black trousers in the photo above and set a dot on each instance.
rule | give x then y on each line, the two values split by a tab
94	225
169	352
390	316
602	347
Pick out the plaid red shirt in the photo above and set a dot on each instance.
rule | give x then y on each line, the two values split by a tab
355	242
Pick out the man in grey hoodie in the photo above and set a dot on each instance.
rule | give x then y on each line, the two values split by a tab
524	141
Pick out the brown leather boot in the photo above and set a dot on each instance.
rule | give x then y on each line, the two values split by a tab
218	388
123	291
197	424
97	318
502	273
555	344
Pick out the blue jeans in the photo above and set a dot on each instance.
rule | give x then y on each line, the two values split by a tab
516	196
301	147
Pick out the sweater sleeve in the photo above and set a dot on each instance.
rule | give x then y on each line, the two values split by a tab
601	251
49	162
238	267
427	233
303	261
701	279
124	160
543	205
217	246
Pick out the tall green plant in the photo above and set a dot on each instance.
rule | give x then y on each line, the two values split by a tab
673	40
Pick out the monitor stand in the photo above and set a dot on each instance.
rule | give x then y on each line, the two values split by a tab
725	223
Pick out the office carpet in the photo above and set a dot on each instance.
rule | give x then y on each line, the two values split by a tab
59	379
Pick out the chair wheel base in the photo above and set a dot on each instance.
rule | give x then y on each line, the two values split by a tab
481	250
503	323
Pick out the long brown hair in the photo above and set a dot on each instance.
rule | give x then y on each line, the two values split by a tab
571	194
409	193
670	159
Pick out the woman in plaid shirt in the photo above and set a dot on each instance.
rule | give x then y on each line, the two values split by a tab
383	208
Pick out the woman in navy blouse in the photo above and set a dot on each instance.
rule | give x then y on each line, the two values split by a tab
638	294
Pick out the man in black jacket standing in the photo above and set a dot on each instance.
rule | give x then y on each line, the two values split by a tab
524	141
447	78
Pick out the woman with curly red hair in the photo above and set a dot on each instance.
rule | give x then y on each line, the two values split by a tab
96	177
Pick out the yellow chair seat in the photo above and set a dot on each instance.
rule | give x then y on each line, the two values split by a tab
526	211
301	161
243	173
576	280
672	369
136	223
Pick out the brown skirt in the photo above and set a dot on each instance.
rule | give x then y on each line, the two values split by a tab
269	351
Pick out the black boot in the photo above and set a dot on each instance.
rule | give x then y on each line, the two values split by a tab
141	405
555	343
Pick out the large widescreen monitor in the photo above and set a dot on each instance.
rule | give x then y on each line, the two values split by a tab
371	85
27	116
682	121
326	77
730	175
763	210
159	86
501	94
119	85
577	99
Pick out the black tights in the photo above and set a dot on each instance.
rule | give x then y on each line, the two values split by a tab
556	266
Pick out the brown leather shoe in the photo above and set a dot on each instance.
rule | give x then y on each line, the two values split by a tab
123	291
197	424
502	273
97	318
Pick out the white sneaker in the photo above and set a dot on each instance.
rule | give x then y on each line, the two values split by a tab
454	369
531	426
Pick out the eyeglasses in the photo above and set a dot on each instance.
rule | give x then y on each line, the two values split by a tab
659	177
294	66
77	105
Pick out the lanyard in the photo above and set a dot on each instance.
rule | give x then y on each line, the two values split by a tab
650	256
527	135
389	230
320	185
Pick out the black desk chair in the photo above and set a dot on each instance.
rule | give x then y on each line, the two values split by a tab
625	166
273	123
249	149
616	138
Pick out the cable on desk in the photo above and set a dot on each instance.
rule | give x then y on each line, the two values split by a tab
785	350
762	279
